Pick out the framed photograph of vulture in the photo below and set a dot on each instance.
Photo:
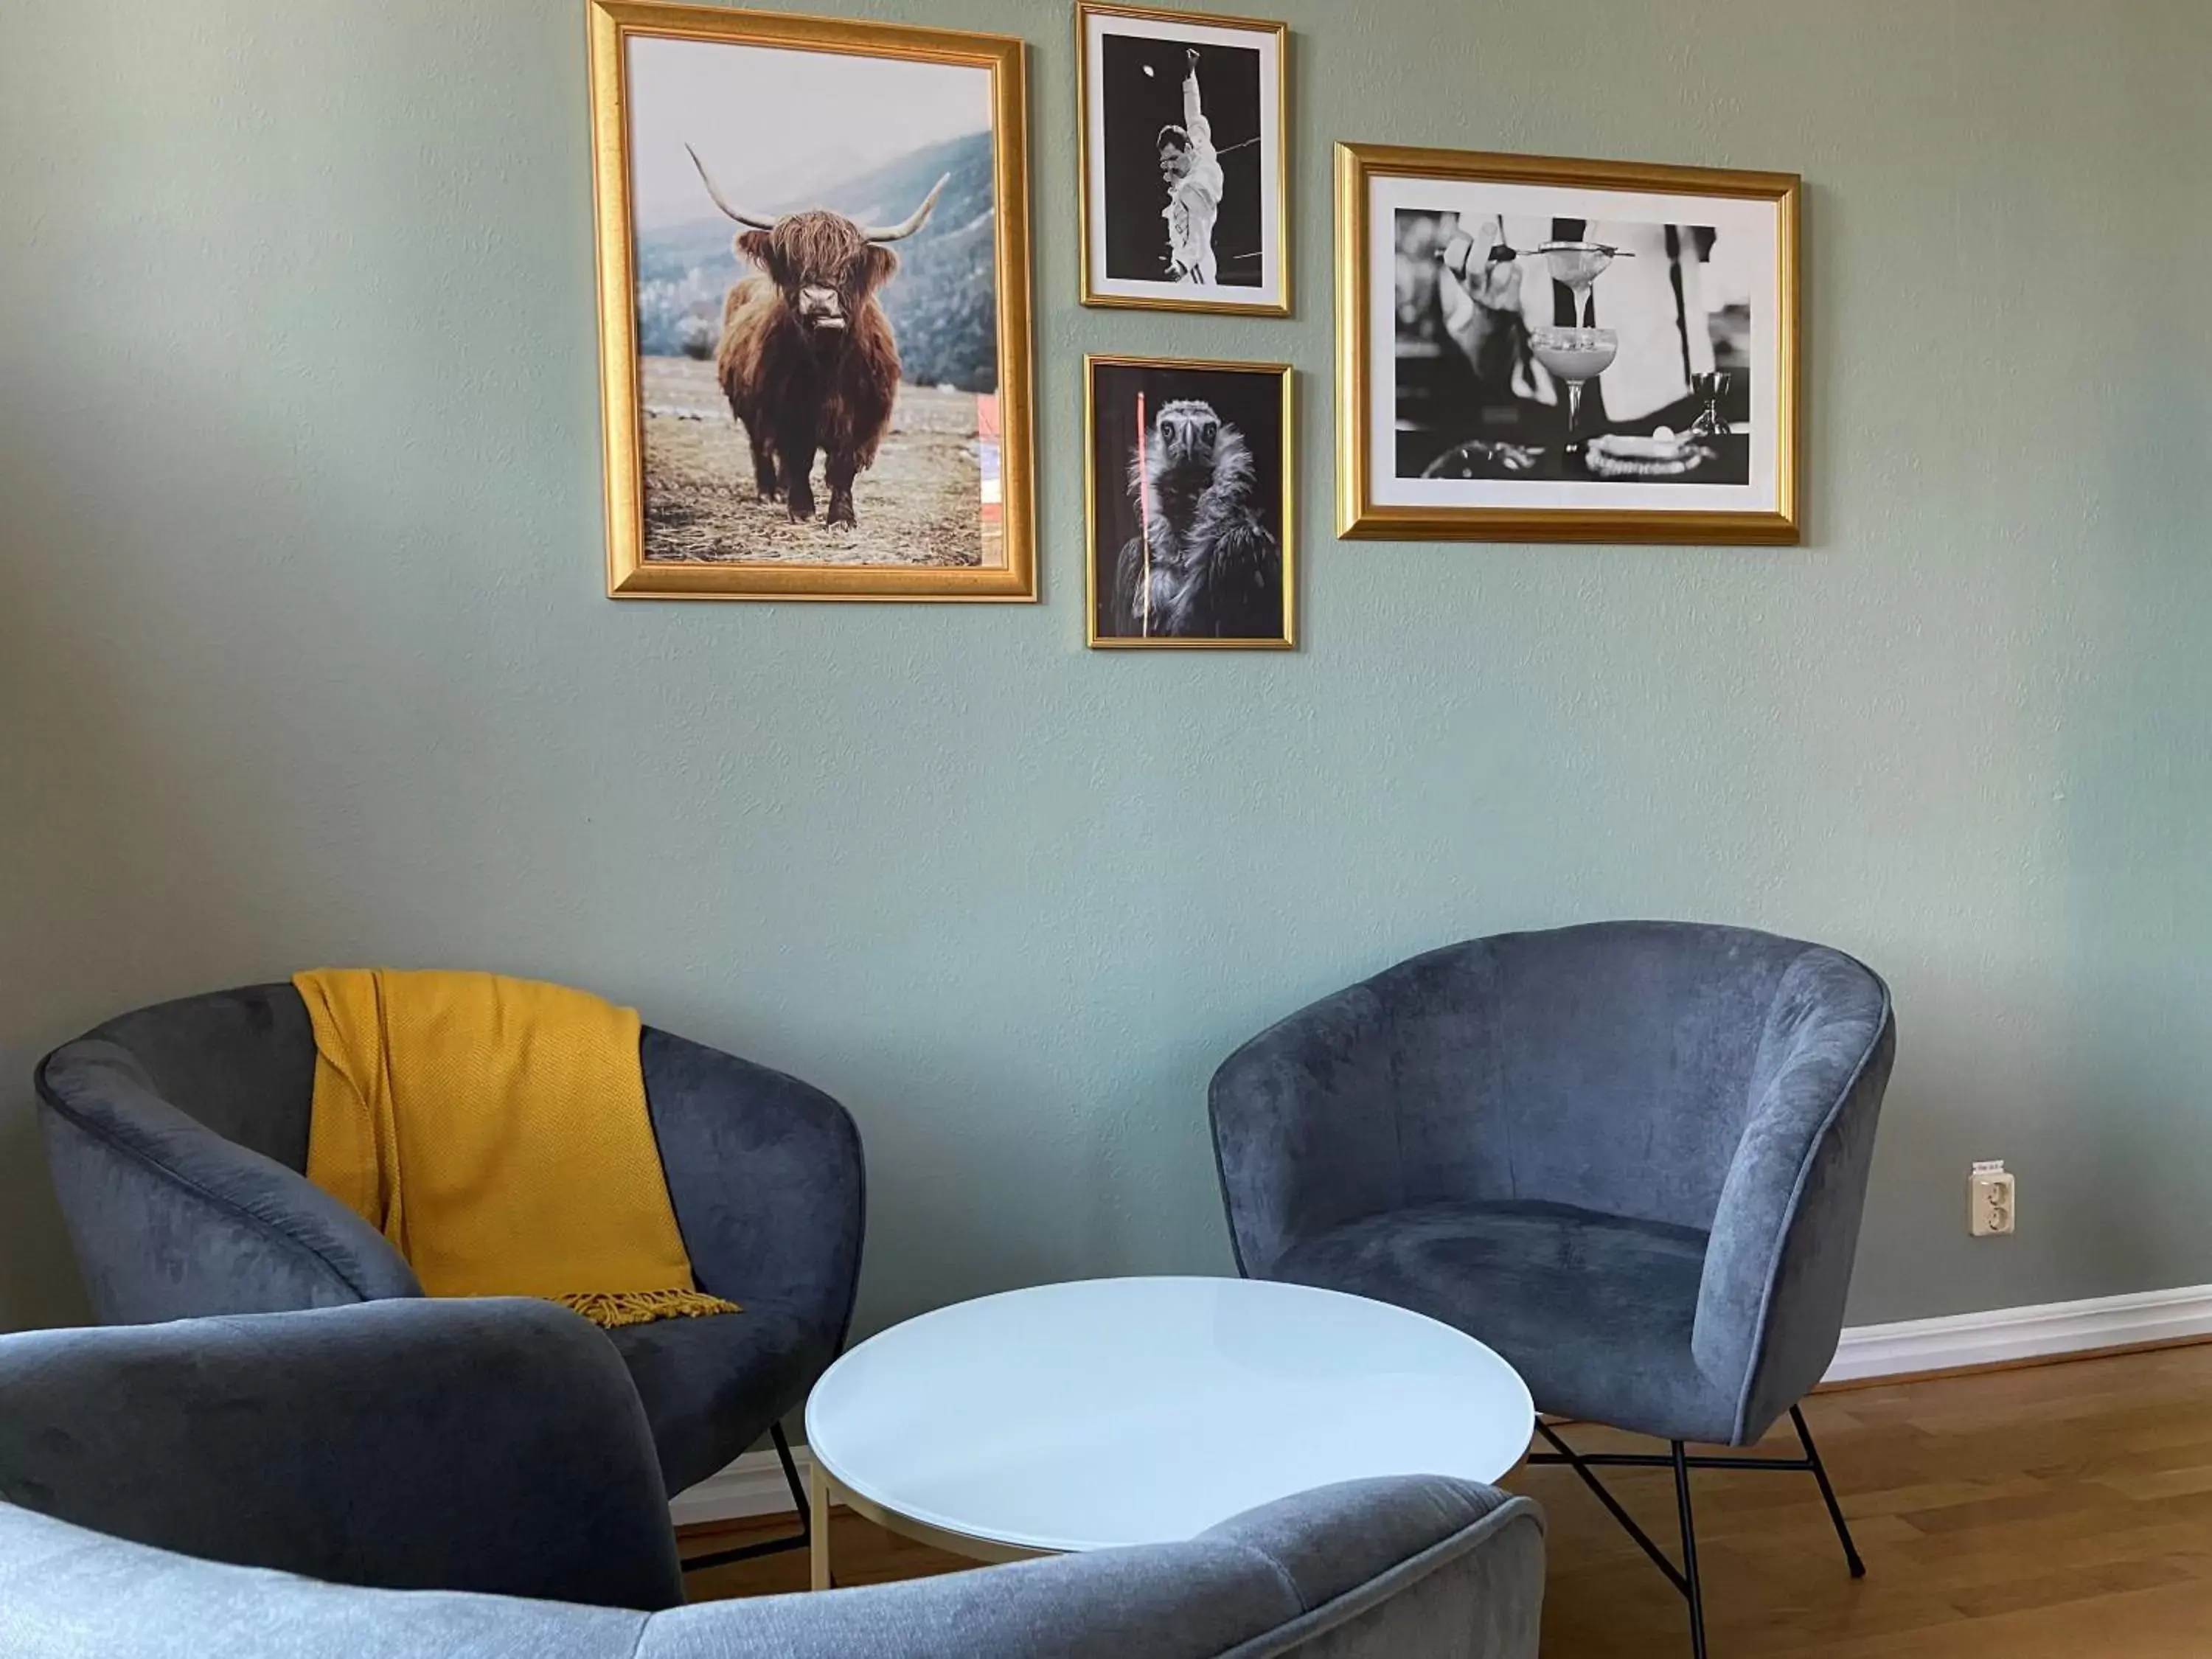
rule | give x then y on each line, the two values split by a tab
814	307
1530	349
1188	477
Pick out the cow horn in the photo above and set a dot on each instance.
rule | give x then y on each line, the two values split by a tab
913	221
751	219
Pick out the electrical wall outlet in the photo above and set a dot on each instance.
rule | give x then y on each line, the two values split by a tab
1988	1200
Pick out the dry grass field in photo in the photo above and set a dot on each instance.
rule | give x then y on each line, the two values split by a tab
919	504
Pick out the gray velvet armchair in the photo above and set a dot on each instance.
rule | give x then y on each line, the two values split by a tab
450	1479
177	1137
1630	1156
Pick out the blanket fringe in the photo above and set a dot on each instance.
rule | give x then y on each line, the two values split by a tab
611	1308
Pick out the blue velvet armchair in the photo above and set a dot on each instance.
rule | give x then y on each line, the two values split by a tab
177	1137
1630	1156
450	1479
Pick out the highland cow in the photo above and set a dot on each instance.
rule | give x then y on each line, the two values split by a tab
807	357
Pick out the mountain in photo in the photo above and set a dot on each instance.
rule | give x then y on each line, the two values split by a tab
941	303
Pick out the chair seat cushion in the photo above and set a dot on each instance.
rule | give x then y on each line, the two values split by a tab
1593	1310
714	1385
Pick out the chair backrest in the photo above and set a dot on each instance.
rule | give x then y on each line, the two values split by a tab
178	1136
413	1455
241	1062
488	1443
1608	1067
1374	1570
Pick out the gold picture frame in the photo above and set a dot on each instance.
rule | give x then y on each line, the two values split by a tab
1099	287
1276	452
1491	510
633	569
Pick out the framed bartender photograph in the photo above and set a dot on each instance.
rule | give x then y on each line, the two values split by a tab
1532	349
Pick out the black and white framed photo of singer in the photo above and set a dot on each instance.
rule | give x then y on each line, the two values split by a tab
1188	481
1538	350
1185	193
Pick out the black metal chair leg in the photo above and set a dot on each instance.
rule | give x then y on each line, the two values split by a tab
798	1541
1827	1494
1566	1455
799	1487
1685	1578
1695	1590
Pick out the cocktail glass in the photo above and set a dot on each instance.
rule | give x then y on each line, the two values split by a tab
1575	355
1712	386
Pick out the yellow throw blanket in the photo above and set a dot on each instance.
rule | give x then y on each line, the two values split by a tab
496	1131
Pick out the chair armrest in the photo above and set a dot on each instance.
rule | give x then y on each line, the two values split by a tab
1779	1263
1355	1552
1369	1570
766	1176
171	1220
493	1445
1305	1127
66	1592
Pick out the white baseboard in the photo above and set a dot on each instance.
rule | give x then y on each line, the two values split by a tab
2005	1334
753	1485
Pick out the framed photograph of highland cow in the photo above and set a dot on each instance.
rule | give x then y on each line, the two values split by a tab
1185	201
1536	350
1188	475
814	307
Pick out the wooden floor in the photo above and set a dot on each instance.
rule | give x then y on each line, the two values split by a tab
2065	1510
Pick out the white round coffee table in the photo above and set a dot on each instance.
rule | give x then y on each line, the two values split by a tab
1135	1411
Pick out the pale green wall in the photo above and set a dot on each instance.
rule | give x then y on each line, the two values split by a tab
303	656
